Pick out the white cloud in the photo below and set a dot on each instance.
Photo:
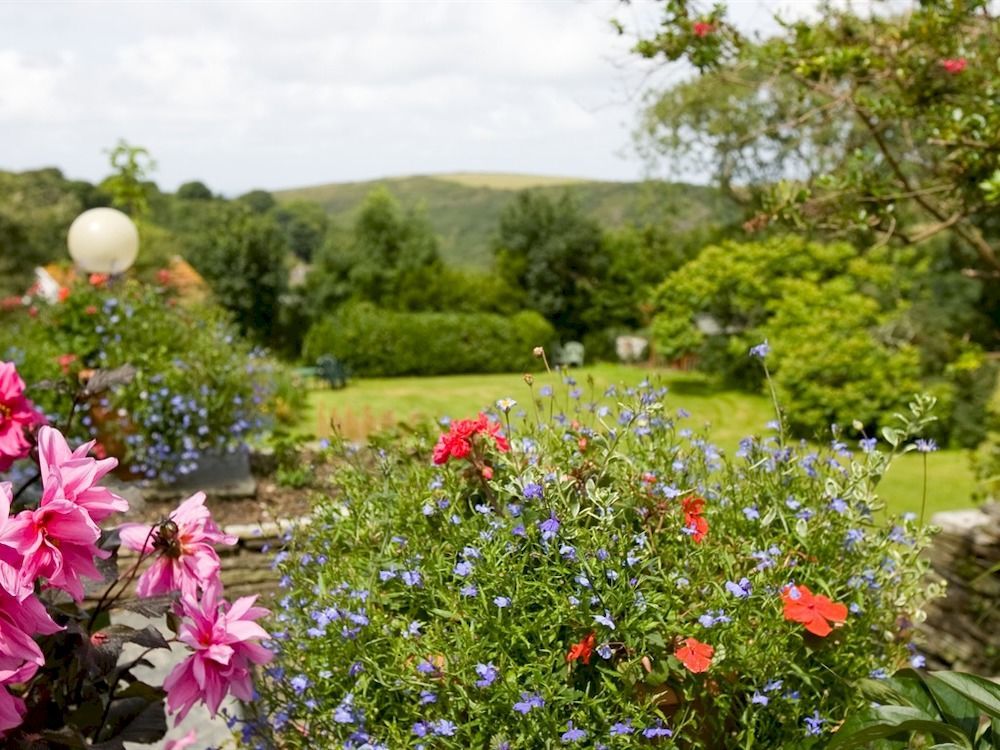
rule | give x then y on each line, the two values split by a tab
277	94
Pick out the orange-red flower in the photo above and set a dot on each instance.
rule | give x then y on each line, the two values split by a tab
65	360
695	655
814	611
98	279
63	293
694	522
582	651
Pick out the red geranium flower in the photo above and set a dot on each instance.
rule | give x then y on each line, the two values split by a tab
695	655
98	279
954	65
581	651
812	610
694	522
702	28
457	442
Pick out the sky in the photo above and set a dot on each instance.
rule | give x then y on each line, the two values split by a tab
245	95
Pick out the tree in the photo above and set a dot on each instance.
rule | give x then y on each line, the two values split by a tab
554	254
243	256
884	127
258	201
387	254
128	185
194	191
305	224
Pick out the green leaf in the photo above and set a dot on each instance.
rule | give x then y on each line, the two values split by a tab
975	689
889	721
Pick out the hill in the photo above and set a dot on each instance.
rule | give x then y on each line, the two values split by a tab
464	208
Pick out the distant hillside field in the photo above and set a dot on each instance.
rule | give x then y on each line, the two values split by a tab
464	208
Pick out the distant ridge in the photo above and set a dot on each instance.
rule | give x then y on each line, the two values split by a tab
465	207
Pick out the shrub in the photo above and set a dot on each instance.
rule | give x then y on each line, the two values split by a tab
599	575
830	364
198	387
374	342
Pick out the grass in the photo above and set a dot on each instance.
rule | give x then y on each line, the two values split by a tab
366	405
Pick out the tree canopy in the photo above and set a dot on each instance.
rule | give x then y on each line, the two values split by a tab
884	128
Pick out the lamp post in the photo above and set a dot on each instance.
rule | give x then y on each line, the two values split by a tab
103	240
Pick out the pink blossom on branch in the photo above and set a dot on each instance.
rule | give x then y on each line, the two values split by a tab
224	641
184	546
17	414
73	475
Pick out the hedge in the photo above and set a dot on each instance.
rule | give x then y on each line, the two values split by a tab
374	342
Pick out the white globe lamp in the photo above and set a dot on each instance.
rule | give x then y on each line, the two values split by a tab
103	240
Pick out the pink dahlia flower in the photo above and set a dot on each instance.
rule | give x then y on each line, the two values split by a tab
20	656
184	546
16	414
57	541
10	560
224	641
73	475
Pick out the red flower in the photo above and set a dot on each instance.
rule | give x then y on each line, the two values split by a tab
91	310
163	276
694	522
65	360
695	655
63	293
954	65
487	472
702	28
581	651
812	610
457	442
98	279
582	444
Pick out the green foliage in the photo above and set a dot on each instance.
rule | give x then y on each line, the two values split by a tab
447	601
848	342
36	209
883	126
958	710
986	460
554	253
376	342
243	256
198	387
388	253
464	214
258	201
194	191
128	185
832	362
305	224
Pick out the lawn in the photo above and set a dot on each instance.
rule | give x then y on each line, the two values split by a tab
366	405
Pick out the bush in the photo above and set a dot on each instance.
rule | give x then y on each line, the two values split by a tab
601	577
198	387
830	366
374	342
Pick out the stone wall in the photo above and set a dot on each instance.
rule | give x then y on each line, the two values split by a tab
962	630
